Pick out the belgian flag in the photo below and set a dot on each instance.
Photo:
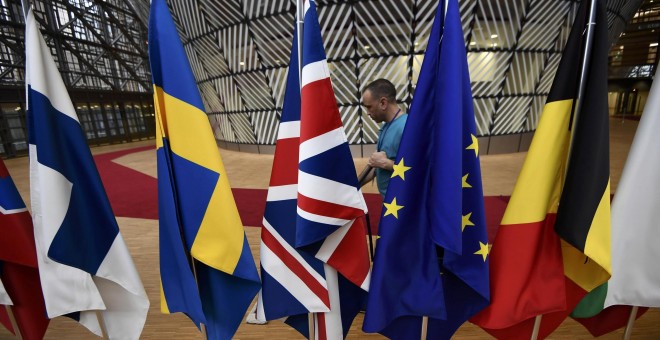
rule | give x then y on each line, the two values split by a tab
553	245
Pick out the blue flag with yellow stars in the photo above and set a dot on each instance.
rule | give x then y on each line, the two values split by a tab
432	257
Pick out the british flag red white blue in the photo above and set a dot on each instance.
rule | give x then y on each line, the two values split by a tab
18	263
293	281
331	207
314	256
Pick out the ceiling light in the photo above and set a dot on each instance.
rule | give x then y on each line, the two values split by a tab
366	47
473	43
242	63
653	44
493	36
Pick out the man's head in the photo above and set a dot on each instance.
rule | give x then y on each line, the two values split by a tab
379	100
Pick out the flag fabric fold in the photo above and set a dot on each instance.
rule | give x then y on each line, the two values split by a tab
293	281
199	222
314	255
331	207
609	319
635	216
553	245
84	264
5	301
432	257
634	281
4	296
18	263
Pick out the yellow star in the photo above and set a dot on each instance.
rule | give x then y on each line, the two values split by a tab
465	183
466	221
400	169
483	250
392	208
474	146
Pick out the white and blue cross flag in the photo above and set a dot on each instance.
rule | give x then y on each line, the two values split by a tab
84	263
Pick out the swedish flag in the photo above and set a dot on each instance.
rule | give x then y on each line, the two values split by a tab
432	257
197	212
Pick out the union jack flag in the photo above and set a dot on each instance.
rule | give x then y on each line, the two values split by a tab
314	256
18	263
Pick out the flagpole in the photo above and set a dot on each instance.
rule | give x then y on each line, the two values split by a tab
577	107
300	14
104	330
14	324
537	327
425	319
26	5
425	327
631	322
583	75
310	320
202	327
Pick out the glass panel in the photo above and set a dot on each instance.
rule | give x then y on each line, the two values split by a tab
120	122
149	119
86	120
97	118
130	116
140	117
16	128
110	116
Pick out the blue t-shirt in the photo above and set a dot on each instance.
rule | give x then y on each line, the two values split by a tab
389	138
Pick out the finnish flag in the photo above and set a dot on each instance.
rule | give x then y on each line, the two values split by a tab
84	263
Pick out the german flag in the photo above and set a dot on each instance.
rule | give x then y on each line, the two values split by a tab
553	245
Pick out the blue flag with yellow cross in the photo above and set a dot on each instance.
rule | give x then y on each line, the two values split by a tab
432	257
206	266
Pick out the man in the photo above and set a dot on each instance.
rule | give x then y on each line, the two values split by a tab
379	100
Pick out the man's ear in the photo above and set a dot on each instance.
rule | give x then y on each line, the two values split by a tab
383	103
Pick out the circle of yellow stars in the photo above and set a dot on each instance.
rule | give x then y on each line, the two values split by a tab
399	170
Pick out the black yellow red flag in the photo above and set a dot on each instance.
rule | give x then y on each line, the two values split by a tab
553	245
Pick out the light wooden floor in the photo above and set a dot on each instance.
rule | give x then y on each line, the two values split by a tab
253	171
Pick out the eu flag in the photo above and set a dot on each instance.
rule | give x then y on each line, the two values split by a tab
432	257
199	221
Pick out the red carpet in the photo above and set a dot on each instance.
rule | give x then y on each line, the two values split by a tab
131	193
134	194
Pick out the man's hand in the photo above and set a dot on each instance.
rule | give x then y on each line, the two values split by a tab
380	160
